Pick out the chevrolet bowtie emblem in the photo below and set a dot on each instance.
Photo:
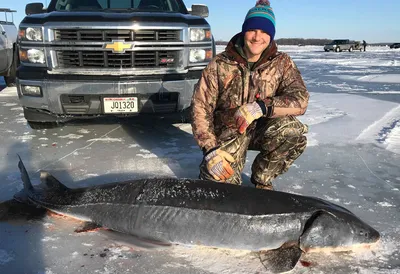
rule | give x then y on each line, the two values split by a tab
118	46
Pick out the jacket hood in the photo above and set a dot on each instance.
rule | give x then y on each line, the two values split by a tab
232	53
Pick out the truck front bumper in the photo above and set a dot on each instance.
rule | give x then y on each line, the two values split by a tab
83	98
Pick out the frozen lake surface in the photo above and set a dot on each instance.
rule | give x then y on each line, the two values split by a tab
352	159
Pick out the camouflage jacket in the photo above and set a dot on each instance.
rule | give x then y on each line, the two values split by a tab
228	83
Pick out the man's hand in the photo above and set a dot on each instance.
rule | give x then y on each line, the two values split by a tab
218	165
246	114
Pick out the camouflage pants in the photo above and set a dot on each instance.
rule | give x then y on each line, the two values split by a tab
280	142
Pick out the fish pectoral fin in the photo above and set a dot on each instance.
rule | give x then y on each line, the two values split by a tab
281	260
51	182
133	241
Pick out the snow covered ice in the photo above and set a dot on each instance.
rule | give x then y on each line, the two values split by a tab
352	159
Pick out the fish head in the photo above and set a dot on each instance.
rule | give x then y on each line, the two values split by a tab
336	232
362	233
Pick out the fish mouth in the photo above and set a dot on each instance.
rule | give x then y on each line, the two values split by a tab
338	249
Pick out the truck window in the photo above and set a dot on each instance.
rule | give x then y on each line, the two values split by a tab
6	16
121	4
139	5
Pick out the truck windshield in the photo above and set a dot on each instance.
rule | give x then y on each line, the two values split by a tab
118	5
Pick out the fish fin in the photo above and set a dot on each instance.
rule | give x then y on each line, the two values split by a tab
281	260
86	227
24	175
133	241
51	182
13	210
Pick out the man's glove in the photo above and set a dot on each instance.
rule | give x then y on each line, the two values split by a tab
218	166
247	113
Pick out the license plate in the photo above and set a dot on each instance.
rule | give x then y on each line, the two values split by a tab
120	104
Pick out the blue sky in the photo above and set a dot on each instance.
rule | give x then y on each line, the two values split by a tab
373	21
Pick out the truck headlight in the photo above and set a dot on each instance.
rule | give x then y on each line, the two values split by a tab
30	34
197	35
33	56
31	91
200	55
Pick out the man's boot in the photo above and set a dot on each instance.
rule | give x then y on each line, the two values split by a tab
267	186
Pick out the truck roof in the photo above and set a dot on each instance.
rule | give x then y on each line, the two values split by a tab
7	10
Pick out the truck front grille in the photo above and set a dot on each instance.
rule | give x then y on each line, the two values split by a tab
125	35
105	59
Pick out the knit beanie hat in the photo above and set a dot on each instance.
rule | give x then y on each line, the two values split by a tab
260	17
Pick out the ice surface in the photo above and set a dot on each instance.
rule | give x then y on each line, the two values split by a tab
353	159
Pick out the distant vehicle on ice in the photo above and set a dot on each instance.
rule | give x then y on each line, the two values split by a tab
395	46
339	45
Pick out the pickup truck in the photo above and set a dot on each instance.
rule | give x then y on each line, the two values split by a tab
343	45
91	58
8	48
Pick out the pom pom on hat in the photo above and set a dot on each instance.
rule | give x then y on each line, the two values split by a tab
263	2
260	17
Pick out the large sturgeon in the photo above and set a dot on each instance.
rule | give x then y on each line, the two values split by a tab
198	212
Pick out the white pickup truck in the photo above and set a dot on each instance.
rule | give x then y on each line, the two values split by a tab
339	45
8	50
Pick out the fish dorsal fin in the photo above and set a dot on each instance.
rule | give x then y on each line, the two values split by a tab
24	175
51	182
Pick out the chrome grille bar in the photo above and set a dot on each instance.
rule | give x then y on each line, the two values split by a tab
98	35
106	59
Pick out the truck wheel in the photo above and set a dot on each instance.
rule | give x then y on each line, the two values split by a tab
337	49
10	79
350	49
42	125
214	47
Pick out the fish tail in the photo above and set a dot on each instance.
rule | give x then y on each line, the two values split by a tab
24	175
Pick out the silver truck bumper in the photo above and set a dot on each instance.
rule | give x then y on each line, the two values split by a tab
85	98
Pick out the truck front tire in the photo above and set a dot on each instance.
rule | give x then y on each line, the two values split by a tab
42	125
11	77
337	49
40	120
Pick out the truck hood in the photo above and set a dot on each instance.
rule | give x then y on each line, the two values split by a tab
85	16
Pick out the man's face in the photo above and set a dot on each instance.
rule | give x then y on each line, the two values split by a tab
255	42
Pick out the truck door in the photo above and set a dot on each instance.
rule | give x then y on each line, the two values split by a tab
3	49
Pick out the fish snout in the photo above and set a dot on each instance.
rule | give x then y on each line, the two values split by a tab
370	236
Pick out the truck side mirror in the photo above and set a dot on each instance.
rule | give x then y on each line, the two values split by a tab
34	8
199	10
